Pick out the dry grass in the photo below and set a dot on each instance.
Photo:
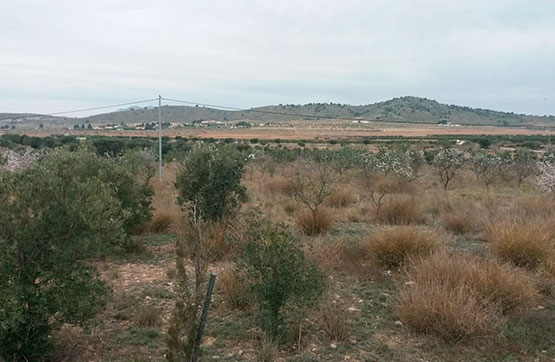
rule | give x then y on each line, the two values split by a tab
341	256
234	288
162	222
399	210
314	222
220	239
512	288
457	297
459	216
147	316
392	247
534	207
333	318
341	198
524	243
268	350
450	313
281	185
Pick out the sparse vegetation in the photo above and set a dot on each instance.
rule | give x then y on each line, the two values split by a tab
412	271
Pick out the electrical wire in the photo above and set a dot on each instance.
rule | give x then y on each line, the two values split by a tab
81	110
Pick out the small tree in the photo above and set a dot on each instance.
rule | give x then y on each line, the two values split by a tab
524	165
313	182
276	263
488	168
210	189
447	163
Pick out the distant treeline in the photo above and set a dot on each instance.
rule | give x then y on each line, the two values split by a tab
173	147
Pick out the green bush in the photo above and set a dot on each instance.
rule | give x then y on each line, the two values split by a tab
279	270
210	181
55	215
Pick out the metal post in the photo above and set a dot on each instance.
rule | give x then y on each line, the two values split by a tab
203	316
160	134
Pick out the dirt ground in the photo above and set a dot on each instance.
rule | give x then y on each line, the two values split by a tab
329	131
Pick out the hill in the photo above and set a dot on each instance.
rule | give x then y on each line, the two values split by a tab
403	109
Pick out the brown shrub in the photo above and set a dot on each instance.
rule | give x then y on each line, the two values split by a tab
314	222
341	256
512	288
457	297
162	222
524	243
147	316
460	218
234	288
282	185
218	244
333	318
342	197
220	239
399	210
451	313
290	208
393	246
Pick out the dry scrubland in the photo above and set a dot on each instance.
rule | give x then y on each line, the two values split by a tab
422	274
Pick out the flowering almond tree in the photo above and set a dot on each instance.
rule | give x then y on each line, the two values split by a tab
546	177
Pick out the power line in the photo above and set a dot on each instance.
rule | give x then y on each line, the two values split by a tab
219	107
204	105
82	110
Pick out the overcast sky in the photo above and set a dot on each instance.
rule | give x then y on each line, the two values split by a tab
59	55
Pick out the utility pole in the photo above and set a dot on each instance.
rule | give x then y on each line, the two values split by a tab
160	134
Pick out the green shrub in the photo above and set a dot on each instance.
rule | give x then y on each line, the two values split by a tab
276	263
55	215
210	181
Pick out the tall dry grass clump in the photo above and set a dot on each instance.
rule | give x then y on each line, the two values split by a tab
148	316
314	222
524	243
234	288
452	314
457	297
399	210
459	221
162	221
280	184
392	247
342	197
459	216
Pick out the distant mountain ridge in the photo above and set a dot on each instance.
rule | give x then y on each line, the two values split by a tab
403	109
